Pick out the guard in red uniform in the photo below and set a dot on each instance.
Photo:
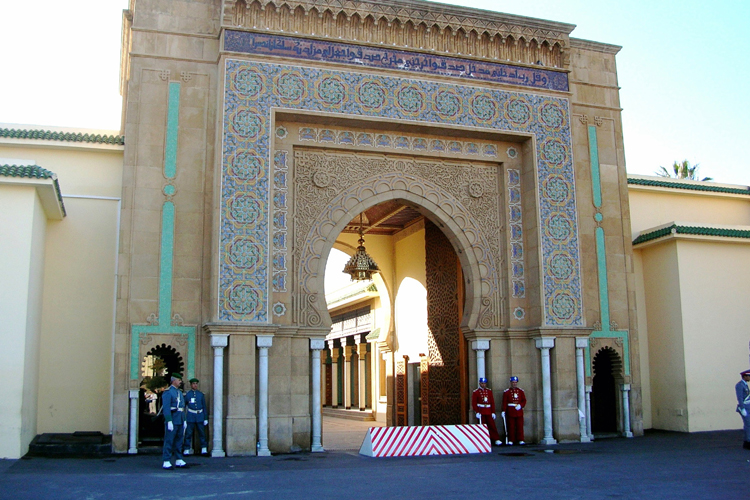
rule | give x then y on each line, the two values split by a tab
483	404
514	399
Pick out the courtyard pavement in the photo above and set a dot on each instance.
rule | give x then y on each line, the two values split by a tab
660	465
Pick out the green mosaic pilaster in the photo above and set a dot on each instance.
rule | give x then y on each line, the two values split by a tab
601	262
163	323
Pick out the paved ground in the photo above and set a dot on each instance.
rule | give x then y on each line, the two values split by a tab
660	465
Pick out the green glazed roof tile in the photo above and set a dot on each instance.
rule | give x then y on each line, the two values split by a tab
695	230
48	135
33	172
684	185
28	171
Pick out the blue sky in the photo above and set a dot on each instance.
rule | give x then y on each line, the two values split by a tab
683	71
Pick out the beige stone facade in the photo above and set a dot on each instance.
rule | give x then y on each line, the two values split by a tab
257	132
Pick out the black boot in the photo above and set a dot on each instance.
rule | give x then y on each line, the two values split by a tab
746	445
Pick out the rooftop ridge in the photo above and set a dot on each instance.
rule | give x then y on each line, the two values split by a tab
694	230
50	135
692	186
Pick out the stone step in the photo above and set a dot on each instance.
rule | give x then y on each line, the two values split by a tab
93	444
362	416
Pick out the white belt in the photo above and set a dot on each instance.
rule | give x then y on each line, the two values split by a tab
195	411
483	406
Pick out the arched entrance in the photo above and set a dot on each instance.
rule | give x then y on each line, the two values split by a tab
605	403
156	367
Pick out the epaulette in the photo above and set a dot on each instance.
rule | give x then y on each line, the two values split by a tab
506	390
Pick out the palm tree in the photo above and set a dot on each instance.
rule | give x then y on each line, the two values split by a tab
682	170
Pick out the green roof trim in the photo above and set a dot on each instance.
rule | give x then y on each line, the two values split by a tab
48	135
33	172
373	335
27	171
691	187
694	230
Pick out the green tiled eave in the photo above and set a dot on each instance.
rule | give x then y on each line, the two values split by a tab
692	230
684	185
33	172
48	135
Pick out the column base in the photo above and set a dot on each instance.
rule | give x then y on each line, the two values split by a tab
264	452
317	449
218	454
548	441
627	434
585	439
133	451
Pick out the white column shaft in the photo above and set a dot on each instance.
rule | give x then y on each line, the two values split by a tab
626	410
588	412
581	385
547	395
334	379
317	426
480	364
347	380
263	450
217	410
133	394
361	377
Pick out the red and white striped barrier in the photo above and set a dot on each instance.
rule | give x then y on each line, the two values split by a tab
426	440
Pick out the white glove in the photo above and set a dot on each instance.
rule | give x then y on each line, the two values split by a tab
743	412
493	416
518	407
502	414
205	422
479	417
184	425
170	426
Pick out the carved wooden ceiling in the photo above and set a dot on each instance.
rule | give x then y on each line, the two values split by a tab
387	218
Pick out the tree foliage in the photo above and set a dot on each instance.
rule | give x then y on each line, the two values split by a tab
682	170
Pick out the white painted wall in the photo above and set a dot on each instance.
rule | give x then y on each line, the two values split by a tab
22	233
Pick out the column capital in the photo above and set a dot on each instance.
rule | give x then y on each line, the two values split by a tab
219	339
582	342
348	352
317	344
545	342
480	344
361	351
625	387
133	393
264	341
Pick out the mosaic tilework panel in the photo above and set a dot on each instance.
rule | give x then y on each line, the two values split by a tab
515	231
253	88
401	60
280	212
393	141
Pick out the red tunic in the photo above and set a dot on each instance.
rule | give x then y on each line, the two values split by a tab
514	418
483	402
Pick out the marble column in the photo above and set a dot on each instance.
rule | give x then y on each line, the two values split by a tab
361	354
348	349
218	342
626	410
264	342
544	344
480	346
589	389
133	435
323	377
334	374
581	344
316	345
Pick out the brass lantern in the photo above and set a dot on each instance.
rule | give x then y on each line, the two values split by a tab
361	267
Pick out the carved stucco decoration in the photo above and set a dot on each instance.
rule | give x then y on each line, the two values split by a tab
440	187
445	28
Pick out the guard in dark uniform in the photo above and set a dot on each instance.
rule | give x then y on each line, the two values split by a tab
483	404
197	417
742	389
173	408
514	399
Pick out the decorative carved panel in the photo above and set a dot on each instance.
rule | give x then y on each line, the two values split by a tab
443	337
328	183
402	404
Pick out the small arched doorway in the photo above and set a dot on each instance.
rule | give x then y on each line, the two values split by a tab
156	367
605	403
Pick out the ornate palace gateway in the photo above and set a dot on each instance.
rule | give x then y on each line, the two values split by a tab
480	154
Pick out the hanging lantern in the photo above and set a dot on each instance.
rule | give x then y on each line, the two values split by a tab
361	267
